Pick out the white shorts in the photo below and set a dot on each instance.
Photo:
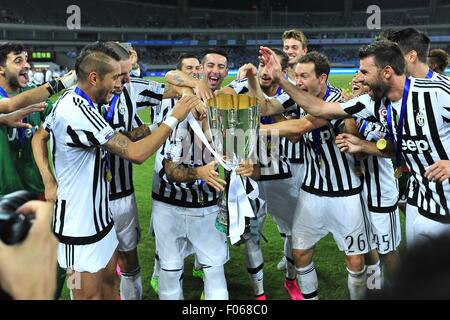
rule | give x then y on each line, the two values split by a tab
298	173
345	217
386	231
420	228
182	231
125	216
88	257
281	198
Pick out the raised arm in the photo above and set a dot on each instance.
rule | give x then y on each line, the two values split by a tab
294	127
311	104
141	150
37	95
267	106
180	79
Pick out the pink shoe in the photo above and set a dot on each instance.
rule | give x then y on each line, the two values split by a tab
292	288
119	273
261	297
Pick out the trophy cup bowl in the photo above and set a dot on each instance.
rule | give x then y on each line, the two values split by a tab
233	122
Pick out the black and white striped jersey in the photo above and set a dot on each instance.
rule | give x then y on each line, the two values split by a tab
148	93
380	184
77	131
293	151
270	148
329	172
125	119
184	148
426	139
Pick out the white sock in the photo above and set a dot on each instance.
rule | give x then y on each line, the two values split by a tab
169	283
373	275
131	285
357	284
156	267
257	278
307	281
215	285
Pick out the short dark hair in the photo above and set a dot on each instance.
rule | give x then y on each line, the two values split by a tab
184	56
117	48
439	58
8	47
95	57
218	51
411	39
321	62
385	53
385	35
284	58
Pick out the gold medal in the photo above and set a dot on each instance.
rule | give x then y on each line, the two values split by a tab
398	173
358	171
108	175
381	144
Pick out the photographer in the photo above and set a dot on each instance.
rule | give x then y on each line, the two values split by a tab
27	269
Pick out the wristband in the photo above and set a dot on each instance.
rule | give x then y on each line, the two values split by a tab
171	122
152	127
49	87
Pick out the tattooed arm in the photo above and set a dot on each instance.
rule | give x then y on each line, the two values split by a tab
138	133
141	150
179	173
180	79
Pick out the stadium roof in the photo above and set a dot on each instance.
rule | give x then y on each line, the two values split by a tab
299	5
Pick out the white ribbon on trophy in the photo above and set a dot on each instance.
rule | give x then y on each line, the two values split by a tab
239	206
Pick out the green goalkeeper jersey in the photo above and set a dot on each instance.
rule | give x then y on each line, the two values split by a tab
18	170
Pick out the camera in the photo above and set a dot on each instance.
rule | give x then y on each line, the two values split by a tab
14	226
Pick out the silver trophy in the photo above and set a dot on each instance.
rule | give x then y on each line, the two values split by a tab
233	122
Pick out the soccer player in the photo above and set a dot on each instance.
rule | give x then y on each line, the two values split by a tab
81	141
421	137
122	116
190	65
381	192
330	200
188	196
275	175
415	46
214	71
295	46
18	170
438	60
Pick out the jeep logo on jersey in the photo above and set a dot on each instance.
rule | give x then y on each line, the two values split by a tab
325	135
28	133
418	145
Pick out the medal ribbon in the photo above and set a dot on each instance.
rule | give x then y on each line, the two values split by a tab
391	124
316	132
